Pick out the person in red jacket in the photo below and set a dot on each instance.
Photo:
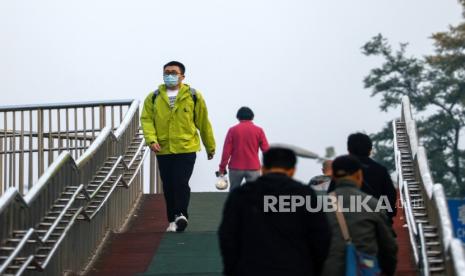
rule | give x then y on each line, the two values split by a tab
240	149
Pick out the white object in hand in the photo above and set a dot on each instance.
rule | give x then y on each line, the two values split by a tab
222	183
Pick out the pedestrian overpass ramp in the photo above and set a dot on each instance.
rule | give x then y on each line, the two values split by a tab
71	178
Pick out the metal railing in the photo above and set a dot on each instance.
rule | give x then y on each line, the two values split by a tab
62	219
433	222
32	136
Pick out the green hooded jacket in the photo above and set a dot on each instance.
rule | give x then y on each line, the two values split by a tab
174	129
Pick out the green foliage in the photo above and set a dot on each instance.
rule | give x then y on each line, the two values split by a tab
436	87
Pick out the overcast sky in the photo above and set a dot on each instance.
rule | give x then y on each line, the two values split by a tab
296	63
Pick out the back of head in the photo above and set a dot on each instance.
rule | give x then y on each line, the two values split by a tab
359	144
245	113
279	158
345	165
326	167
319	179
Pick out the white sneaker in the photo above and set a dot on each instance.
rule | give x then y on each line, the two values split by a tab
181	223
171	227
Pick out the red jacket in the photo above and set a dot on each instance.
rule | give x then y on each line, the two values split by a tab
241	147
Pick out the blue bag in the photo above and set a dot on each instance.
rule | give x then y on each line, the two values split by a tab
360	264
357	263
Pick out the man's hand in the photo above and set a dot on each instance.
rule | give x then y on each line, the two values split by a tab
210	155
155	147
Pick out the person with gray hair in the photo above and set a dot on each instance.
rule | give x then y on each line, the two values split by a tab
320	183
327	167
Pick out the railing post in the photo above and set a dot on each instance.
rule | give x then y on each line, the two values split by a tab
1	165
102	117
21	156
5	148
50	139
155	185
30	166
40	139
152	172
159	182
13	182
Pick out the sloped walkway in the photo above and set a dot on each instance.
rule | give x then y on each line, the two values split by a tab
130	253
196	251
147	250
405	260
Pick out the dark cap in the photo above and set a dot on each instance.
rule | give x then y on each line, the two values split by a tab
345	165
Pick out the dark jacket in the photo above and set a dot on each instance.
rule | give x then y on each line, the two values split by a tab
369	231
376	182
254	242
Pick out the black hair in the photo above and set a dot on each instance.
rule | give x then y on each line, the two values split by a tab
359	144
345	165
279	158
178	64
245	113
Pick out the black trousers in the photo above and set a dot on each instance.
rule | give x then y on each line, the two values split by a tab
175	172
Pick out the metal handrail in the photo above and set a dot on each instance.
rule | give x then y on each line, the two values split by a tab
435	197
138	168
62	213
412	227
64	105
107	177
52	170
127	119
16	251
410	125
405	197
43	131
28	261
397	157
11	195
445	224
410	215
142	144
92	149
424	256
55	134
456	249
62	236
64	172
107	196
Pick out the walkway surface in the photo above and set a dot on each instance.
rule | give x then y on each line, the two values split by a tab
145	249
405	261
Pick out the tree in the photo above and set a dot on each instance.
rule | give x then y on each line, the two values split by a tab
436	87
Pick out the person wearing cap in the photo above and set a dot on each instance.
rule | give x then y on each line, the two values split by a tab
240	150
370	232
256	242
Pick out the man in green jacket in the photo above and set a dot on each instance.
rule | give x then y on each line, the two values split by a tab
170	118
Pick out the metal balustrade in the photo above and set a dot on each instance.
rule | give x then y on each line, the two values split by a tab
435	250
32	136
91	181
